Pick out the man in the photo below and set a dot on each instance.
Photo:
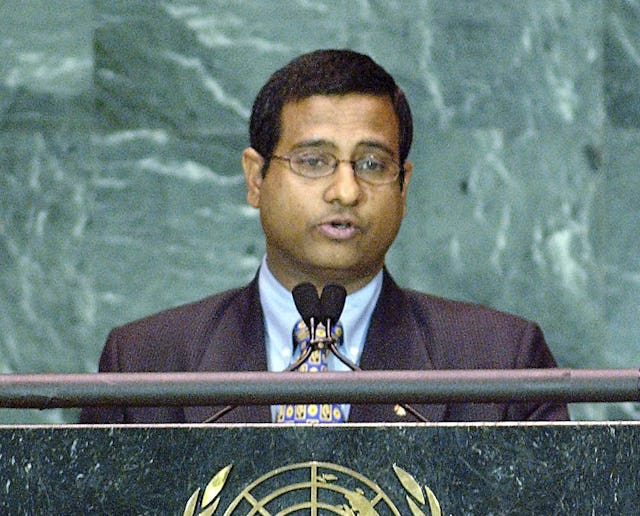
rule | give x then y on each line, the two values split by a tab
327	169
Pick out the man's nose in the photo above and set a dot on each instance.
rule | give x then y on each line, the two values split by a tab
345	187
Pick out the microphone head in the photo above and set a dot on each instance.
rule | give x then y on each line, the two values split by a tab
305	296
332	302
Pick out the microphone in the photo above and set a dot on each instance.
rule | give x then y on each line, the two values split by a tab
305	297
332	303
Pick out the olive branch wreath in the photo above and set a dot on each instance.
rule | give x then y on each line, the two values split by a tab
210	500
413	488
210	497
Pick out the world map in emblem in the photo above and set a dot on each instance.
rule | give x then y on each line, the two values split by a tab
312	488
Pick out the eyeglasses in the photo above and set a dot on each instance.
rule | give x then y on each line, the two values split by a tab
373	168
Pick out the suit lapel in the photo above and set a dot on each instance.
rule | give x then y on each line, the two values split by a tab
235	342
396	340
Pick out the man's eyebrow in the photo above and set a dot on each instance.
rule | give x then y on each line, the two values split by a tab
375	144
317	143
314	143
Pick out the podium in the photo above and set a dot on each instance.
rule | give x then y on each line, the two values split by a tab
406	469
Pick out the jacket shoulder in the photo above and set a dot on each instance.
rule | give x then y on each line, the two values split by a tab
460	334
173	339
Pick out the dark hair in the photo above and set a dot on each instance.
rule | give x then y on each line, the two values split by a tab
324	72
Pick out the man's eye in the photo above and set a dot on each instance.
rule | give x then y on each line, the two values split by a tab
312	161
371	164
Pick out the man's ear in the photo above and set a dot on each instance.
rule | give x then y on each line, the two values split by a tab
408	168
252	163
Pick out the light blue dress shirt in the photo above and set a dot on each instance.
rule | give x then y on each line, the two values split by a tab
280	316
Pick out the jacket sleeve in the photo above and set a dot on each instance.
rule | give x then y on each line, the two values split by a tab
534	353
114	359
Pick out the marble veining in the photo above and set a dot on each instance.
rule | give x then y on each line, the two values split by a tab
121	192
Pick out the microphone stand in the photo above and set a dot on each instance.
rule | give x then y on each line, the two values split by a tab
314	344
330	306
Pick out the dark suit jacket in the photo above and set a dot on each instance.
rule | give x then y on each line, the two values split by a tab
408	330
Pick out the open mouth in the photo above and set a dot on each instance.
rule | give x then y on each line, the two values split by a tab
338	230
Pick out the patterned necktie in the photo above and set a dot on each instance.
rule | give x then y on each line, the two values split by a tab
315	363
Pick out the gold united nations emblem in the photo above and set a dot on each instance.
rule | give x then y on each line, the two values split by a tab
314	488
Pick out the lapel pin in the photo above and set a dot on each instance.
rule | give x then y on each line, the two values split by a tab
400	411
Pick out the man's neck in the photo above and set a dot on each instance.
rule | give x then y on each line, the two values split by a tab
352	281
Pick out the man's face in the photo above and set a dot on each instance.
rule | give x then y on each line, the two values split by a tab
335	228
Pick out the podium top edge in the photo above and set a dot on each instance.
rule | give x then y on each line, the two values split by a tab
342	426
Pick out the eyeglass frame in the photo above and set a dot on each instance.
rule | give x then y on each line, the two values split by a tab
288	158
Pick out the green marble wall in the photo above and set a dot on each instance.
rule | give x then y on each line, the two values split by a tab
121	124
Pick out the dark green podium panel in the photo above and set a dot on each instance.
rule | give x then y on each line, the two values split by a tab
350	470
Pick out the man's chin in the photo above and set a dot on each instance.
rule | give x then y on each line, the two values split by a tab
347	273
